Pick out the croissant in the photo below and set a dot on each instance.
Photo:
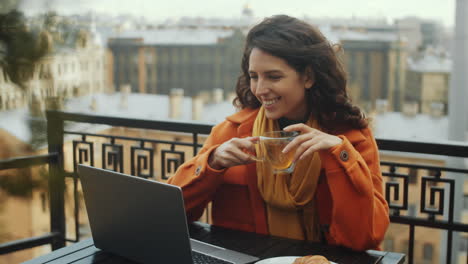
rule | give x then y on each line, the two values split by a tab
313	259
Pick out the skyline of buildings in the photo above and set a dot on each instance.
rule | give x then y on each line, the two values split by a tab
199	55
385	63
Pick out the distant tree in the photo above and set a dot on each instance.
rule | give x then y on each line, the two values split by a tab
51	20
20	49
17	182
8	5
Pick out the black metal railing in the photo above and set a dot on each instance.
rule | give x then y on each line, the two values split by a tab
169	144
436	190
53	238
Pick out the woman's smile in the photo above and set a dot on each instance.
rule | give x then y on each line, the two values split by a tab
270	102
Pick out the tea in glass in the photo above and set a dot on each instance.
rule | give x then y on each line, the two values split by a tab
271	146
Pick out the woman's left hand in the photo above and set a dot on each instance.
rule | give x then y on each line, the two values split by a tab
309	141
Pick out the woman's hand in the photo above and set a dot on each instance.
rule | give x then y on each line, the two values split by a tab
232	153
309	141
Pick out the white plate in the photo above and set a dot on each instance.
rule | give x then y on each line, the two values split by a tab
281	260
278	260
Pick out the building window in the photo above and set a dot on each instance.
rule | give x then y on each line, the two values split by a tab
365	91
465	201
463	246
148	57
41	71
428	251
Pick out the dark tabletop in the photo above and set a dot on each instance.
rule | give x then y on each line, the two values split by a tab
261	246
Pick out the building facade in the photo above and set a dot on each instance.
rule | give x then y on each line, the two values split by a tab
376	72
427	83
66	72
157	67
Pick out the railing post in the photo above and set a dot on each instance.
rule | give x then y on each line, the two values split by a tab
56	178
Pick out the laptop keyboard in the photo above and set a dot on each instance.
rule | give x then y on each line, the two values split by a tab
200	258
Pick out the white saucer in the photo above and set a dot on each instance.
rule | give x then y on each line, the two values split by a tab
281	260
278	260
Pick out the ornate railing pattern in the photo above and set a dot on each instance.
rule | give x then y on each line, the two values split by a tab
433	192
140	156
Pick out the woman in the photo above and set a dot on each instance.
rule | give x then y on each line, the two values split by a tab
291	80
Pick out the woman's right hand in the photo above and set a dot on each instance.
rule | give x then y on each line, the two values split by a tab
232	153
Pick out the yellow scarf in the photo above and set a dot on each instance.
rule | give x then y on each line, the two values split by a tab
289	197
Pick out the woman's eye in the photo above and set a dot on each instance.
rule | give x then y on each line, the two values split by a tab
275	77
253	77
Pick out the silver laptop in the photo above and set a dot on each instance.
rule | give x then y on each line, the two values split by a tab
144	220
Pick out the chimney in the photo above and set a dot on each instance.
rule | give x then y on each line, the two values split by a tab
218	95
124	91
197	107
231	96
206	96
381	106
93	105
437	109
410	108
175	102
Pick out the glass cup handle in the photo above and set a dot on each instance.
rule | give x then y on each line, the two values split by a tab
252	156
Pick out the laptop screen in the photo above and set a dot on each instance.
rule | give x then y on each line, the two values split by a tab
140	219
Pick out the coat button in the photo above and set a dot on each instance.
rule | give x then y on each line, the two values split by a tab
197	171
344	156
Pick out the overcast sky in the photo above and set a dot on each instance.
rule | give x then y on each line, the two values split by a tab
442	10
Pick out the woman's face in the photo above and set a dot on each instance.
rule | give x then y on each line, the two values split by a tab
278	86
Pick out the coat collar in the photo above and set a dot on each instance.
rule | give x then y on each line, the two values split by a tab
245	119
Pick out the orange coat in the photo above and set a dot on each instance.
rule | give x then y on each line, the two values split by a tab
351	207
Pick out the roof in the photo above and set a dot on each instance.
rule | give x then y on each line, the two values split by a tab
180	36
15	122
338	35
368	36
141	106
396	125
430	63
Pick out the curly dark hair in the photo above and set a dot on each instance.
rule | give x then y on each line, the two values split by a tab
306	50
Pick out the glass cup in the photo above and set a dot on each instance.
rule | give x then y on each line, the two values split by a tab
270	147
